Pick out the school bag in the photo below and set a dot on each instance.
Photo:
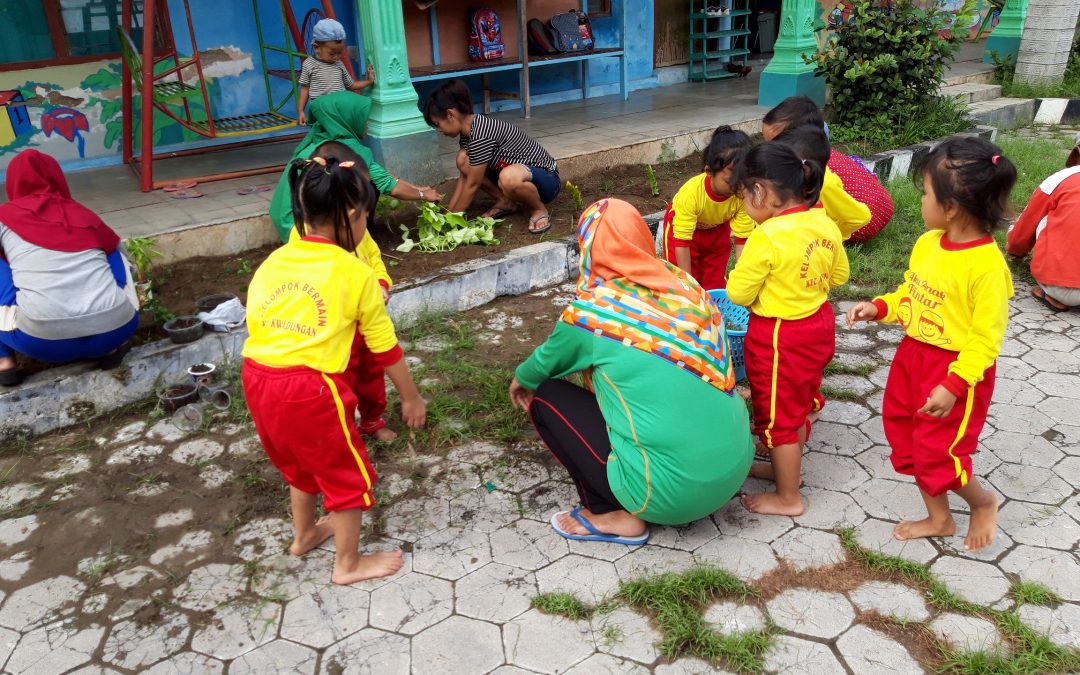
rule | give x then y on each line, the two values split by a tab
485	35
571	32
540	38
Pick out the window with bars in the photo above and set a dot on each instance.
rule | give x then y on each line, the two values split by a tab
35	33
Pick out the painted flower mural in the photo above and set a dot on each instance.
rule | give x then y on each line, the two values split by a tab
67	122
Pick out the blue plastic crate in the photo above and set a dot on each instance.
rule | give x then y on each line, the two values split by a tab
734	315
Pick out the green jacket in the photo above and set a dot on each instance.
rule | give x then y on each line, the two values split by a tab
341	116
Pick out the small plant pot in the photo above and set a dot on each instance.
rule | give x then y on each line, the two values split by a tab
207	303
184	329
202	373
174	397
144	291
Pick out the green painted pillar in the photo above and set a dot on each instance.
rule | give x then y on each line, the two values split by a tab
1005	38
397	134
788	74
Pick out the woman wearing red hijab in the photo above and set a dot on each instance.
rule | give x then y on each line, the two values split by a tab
65	289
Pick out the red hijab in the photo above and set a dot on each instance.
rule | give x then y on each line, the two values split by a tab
41	211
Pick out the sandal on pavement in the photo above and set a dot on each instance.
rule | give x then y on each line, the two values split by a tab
11	378
1040	295
536	219
499	212
595	534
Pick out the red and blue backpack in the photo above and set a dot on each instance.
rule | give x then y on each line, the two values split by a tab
485	35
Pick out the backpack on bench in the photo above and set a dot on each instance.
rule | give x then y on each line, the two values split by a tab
485	35
571	32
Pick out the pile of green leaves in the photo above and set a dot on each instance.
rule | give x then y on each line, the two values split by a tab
439	230
886	63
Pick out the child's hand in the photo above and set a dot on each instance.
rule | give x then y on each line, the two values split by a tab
520	397
385	295
863	311
371	73
939	403
301	119
414	412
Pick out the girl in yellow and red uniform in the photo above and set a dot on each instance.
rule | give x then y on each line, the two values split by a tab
705	213
315	314
784	275
954	306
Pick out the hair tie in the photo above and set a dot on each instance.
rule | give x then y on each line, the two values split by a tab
803	162
994	159
318	160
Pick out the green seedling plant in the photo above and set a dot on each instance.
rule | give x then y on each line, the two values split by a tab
142	252
650	176
439	230
575	194
385	208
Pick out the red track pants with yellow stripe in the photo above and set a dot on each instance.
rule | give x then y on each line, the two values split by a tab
935	450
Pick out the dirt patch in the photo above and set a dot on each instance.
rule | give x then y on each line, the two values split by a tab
840	578
919	640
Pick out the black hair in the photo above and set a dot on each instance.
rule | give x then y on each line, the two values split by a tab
324	191
795	111
343	153
808	141
724	146
972	173
454	95
792	177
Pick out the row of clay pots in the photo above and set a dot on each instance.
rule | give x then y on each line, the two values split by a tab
189	328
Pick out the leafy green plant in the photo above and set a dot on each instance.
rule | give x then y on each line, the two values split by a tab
160	312
439	230
938	117
243	267
650	176
385	208
142	252
575	194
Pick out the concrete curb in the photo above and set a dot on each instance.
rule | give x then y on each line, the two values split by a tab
1057	111
898	163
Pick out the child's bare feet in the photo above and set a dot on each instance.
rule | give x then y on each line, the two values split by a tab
312	537
770	503
371	566
619	523
927	527
983	525
386	435
763	470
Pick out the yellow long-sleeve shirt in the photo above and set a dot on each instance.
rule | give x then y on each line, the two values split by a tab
369	252
848	213
305	304
697	207
954	296
789	264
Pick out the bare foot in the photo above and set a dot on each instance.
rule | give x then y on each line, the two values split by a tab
7	363
770	503
983	525
918	529
313	537
618	523
386	435
371	566
501	209
813	417
763	470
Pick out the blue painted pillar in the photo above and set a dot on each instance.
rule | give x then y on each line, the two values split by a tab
788	74
1005	38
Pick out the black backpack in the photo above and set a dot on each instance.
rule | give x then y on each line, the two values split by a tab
567	32
539	35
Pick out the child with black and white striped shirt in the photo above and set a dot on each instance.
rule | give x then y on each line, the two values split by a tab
324	73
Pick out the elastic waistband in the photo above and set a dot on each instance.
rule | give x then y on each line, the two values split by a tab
916	343
825	307
275	372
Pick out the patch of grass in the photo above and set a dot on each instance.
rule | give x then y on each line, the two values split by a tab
1033	593
838	394
837	368
563	604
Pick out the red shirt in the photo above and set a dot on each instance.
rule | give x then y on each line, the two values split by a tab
1051	225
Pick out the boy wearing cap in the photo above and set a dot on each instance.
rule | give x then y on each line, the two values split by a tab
1050	228
324	73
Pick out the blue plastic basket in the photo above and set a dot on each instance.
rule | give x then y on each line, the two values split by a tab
733	315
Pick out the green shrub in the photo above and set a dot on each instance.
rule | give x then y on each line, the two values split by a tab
939	116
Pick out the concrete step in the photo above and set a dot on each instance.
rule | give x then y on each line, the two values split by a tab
1004	113
973	92
964	72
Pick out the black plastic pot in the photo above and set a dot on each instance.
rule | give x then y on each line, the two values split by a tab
207	303
178	396
184	329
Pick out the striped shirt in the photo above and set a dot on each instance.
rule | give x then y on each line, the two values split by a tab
321	77
500	144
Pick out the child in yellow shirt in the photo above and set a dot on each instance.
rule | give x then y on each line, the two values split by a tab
954	306
705	213
790	262
315	314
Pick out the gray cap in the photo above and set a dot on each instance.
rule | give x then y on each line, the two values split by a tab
328	30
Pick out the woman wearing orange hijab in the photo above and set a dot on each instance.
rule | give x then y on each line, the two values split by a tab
658	435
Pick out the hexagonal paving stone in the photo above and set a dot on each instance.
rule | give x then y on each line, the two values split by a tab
133	644
369	652
210	586
511	670
890	499
547	498
855	383
13	495
626	634
1057	570
527	544
1015	392
262	537
14	567
1057	384
889	599
1030	484
845	412
1061	410
287	576
484	511
173	519
197	450
811	612
495	593
733	520
684	537
411	603
730	618
1011	368
187	663
321	618
974	581
196	542
166	431
68	466
647	561
794	656
546	644
599	550
868	651
279	656
1019	419
954	545
519	476
411	519
603	664
54	649
828	509
590	580
687	665
237	629
134	453
806	549
1023	449
40	603
746	559
1039	525
457	646
451	553
876	535
17	530
832	472
967	633
1060	624
126	434
838	439
8	640
476	452
874	429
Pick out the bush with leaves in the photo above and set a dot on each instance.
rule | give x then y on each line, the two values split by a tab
886	63
439	230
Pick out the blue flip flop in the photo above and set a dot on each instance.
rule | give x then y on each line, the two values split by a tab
595	534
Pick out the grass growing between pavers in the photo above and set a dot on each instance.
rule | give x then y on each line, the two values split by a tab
837	368
1033	593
